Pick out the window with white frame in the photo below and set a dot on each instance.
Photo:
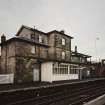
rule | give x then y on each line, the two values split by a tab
88	72
40	39
73	69
33	50
63	55
60	69
63	41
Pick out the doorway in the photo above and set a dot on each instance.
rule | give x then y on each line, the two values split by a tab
36	70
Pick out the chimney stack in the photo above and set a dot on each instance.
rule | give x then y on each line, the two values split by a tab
3	38
62	31
76	49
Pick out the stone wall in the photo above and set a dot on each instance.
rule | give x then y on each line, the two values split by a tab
8	58
26	59
19	57
34	35
56	47
24	49
54	40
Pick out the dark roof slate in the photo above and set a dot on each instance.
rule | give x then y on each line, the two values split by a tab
23	40
29	28
32	29
55	31
80	54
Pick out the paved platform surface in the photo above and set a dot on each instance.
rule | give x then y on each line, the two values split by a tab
98	101
36	93
31	85
4	87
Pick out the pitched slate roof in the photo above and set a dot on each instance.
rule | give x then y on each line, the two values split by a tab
29	28
80	54
21	39
32	29
55	31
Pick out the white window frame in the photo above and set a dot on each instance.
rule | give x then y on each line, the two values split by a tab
33	50
60	69
73	69
63	41
88	72
63	55
40	39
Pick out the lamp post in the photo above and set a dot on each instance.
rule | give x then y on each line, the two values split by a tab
96	52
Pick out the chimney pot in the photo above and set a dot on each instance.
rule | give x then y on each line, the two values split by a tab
62	31
76	49
3	38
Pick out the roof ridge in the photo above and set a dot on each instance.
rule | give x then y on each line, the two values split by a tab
59	33
30	28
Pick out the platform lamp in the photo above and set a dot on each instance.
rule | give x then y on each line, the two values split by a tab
96	54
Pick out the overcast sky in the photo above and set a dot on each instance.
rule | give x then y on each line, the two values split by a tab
82	19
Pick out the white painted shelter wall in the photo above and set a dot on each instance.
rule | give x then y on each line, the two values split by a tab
46	71
6	78
58	77
47	74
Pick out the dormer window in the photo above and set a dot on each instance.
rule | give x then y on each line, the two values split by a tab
63	41
40	39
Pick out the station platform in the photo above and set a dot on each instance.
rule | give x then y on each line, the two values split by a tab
98	101
36	85
75	92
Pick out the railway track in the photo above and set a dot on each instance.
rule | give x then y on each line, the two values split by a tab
71	94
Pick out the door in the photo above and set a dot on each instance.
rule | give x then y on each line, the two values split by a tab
36	72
